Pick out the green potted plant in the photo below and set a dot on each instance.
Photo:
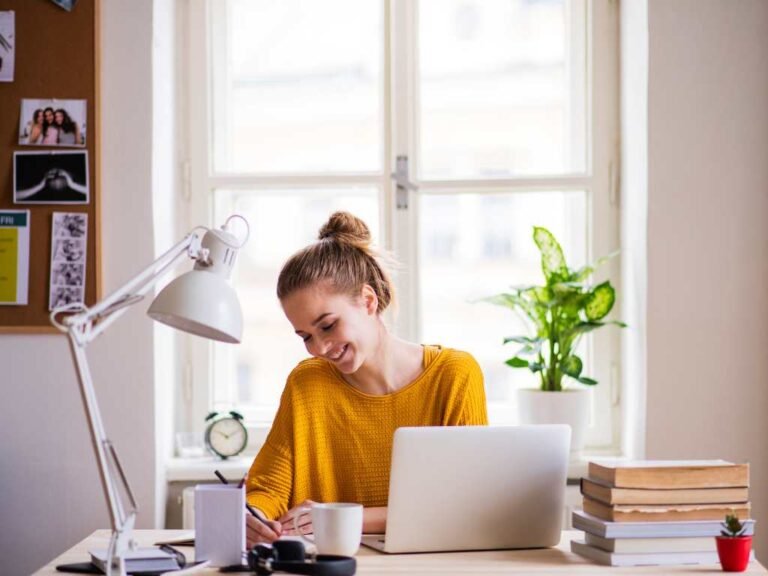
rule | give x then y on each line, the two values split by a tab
733	547
559	313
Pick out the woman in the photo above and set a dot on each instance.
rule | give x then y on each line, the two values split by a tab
35	127
331	440
68	132
50	132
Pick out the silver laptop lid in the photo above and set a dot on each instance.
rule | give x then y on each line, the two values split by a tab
477	487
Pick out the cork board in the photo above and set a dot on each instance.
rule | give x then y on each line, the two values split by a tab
55	58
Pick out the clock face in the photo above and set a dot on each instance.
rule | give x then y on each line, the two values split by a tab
227	437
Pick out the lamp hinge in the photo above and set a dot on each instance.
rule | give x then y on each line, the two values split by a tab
186	180
402	184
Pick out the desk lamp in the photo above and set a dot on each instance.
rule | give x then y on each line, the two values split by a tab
200	302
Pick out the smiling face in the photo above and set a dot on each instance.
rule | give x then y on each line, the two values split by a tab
337	327
49	116
59	118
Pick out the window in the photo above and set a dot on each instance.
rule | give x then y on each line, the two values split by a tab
503	112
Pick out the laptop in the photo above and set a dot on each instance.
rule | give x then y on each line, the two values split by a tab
475	488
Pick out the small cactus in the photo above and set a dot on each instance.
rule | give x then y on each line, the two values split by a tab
733	528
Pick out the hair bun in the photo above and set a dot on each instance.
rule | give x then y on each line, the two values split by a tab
346	228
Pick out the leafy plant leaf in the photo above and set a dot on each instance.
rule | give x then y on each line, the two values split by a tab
522	287
516	362
585	380
584	327
506	300
585	272
552	260
521	340
571	366
600	301
529	349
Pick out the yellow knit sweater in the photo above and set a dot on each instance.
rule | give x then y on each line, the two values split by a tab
332	443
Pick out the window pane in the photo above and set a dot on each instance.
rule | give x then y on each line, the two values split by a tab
502	88
296	85
474	246
281	222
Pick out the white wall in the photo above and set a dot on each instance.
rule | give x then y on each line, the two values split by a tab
50	495
707	236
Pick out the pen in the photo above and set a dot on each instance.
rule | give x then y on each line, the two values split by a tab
250	508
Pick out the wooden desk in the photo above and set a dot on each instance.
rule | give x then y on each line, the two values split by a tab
557	560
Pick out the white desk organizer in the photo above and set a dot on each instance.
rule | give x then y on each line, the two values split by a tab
219	524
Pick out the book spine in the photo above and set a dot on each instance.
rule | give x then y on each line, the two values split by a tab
605	529
679	478
660	559
646	497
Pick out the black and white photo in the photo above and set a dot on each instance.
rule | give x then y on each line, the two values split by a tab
7	43
62	295
69	249
52	122
50	178
70	225
67	274
68	5
68	258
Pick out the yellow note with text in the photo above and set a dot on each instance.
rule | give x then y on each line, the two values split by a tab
9	262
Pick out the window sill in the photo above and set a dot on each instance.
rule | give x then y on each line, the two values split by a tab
233	469
201	469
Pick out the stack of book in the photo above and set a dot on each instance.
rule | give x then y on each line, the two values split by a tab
659	513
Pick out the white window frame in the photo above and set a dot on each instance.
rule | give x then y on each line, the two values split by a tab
400	100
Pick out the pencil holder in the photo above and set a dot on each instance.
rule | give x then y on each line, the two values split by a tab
219	524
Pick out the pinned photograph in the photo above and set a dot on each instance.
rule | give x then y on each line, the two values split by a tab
7	42
69	250
52	122
50	178
70	225
68	5
68	274
68	243
63	295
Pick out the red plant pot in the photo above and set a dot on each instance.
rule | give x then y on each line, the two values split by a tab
734	552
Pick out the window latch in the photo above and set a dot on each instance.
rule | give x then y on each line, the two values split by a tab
403	184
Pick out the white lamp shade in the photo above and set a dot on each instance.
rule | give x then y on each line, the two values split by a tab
201	303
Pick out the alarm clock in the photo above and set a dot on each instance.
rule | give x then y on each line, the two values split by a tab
225	435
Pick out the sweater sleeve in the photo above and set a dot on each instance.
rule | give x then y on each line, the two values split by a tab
464	395
474	411
270	479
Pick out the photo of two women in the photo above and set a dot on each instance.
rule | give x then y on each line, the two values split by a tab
52	122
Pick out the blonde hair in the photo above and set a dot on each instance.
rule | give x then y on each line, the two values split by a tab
342	256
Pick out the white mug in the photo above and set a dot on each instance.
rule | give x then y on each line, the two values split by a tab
337	527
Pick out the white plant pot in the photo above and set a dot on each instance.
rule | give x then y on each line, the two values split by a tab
566	407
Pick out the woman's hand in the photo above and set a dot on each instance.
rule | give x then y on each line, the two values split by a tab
305	522
257	532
